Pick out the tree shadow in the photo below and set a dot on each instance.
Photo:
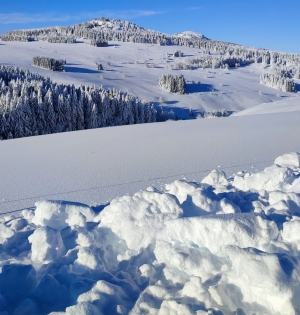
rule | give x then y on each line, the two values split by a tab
197	88
171	112
80	70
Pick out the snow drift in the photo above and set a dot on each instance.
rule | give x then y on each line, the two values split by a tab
222	246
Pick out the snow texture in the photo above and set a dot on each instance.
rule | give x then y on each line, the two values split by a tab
227	245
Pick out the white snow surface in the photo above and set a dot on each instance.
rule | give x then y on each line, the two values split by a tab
95	166
280	106
226	245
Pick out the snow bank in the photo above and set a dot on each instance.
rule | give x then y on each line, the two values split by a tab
222	246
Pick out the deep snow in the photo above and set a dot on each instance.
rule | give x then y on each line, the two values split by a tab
95	166
221	246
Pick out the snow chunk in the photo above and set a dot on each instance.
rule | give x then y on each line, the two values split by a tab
105	294
262	280
137	219
5	233
215	177
88	260
216	232
290	160
272	178
290	233
181	189
47	245
80	309
58	215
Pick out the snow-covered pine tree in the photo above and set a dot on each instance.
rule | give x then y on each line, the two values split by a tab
172	83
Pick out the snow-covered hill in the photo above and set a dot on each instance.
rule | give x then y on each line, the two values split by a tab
190	35
136	68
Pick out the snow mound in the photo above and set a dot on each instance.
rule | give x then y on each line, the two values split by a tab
222	246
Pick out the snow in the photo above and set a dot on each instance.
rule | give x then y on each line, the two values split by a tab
186	248
281	106
190	34
125	69
155	226
95	166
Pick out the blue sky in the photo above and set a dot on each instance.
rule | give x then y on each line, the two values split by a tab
265	23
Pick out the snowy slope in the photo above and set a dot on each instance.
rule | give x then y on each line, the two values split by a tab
125	69
94	166
281	106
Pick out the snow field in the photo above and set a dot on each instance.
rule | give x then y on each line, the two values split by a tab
221	246
95	166
136	68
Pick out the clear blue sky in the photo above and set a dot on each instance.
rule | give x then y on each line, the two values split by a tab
271	24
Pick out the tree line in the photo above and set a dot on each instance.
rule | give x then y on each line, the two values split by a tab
33	105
